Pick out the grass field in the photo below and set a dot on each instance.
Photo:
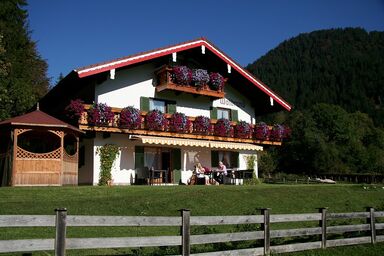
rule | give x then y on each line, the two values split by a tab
167	200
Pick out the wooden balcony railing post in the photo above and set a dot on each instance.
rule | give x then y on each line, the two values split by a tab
185	232
267	231
61	229
372	222
323	226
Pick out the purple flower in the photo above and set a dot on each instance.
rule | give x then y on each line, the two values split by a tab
155	120
261	131
277	133
100	114
243	130
202	124
200	77
182	75
75	109
130	118
216	81
223	128
179	123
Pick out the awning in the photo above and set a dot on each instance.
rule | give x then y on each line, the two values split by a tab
172	141
234	145
195	143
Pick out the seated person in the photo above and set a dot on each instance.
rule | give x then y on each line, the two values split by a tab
221	172
199	172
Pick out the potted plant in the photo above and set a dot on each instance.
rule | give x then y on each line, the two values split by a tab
200	78
182	75
243	130
179	123
223	128
202	125
130	118
155	120
216	81
100	114
75	109
261	131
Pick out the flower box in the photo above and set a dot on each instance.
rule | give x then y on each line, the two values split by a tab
181	79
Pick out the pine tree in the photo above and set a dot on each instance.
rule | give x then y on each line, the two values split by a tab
25	80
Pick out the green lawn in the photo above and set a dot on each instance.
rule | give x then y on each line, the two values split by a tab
167	200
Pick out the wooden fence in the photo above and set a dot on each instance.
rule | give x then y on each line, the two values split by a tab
322	230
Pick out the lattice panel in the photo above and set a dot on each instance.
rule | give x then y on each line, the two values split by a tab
69	158
58	133
21	153
20	131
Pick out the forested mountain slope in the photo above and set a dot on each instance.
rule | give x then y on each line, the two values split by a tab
335	81
344	67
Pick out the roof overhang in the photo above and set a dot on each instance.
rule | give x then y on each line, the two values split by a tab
154	140
133	59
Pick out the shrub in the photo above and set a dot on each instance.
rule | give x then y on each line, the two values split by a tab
179	123
130	118
202	124
243	130
155	120
216	81
100	114
75	109
182	75
108	154
223	127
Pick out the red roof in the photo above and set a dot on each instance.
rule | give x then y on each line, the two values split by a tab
38	118
140	57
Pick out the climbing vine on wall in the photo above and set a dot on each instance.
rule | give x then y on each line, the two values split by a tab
108	154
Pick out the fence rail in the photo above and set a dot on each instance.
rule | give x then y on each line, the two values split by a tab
61	221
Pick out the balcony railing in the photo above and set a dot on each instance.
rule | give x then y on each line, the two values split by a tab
165	81
192	133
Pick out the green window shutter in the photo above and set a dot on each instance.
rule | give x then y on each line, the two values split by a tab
171	108
234	159
139	157
214	158
234	115
213	113
144	104
176	158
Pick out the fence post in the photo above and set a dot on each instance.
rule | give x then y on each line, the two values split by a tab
372	222
266	228
185	232
323	226
61	229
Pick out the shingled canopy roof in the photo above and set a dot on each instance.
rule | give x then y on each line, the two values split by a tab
38	118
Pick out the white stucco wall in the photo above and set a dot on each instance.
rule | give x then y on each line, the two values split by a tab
235	100
123	170
127	87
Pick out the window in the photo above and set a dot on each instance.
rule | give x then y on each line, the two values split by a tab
229	158
157	104
223	113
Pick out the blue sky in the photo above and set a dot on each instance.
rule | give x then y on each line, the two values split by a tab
75	33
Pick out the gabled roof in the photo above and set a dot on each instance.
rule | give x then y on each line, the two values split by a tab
137	58
40	119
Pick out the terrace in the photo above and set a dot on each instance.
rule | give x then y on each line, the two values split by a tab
255	134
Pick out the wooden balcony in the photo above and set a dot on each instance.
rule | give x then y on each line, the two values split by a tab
165	82
114	127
